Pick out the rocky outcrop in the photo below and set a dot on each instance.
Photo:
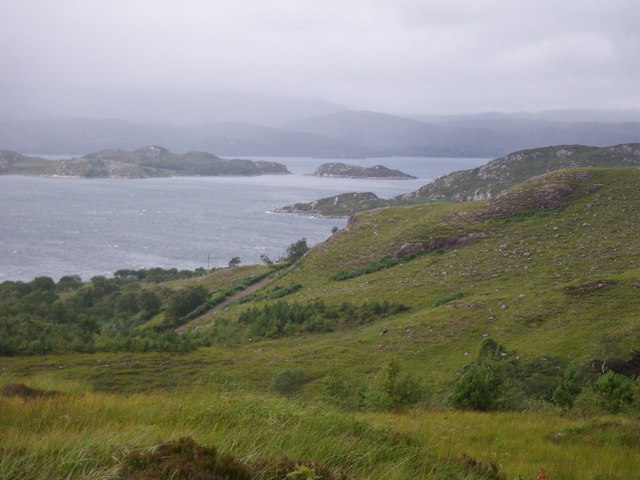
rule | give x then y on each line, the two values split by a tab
547	192
438	243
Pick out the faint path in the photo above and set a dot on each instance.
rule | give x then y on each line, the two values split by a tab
243	293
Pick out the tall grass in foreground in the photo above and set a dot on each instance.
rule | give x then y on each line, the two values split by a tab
87	435
605	448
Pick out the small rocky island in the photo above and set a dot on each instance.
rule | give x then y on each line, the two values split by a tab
341	205
146	162
342	170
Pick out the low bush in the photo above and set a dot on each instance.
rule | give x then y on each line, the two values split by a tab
21	390
284	318
182	459
288	381
385	262
390	390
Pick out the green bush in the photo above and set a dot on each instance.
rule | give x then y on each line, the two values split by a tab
288	381
569	388
296	250
284	318
340	391
184	301
479	388
614	392
385	262
390	391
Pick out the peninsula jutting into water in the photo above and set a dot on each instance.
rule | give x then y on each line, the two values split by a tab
146	162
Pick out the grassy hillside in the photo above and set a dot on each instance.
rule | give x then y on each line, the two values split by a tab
492	178
523	276
393	311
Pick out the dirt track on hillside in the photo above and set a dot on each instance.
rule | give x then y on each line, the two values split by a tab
243	293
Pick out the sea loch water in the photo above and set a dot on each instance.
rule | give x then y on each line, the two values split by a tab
87	227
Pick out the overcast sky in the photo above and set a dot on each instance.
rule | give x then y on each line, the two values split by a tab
396	56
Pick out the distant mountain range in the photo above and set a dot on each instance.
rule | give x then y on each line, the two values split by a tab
341	134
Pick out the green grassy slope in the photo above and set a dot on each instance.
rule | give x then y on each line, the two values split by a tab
492	178
512	280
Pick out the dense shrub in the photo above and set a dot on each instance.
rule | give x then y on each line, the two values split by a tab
157	275
614	392
283	318
480	387
501	380
569	387
390	391
184	301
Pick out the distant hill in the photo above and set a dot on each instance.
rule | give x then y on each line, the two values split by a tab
463	136
82	136
150	161
343	134
566	115
388	134
343	170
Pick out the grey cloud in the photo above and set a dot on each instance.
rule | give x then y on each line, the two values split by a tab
406	56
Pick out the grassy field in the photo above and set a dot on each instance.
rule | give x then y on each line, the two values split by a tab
80	434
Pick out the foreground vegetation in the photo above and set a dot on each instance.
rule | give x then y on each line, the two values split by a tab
79	434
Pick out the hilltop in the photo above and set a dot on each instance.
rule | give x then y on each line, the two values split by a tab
149	161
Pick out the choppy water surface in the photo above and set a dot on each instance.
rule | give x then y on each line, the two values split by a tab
89	227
